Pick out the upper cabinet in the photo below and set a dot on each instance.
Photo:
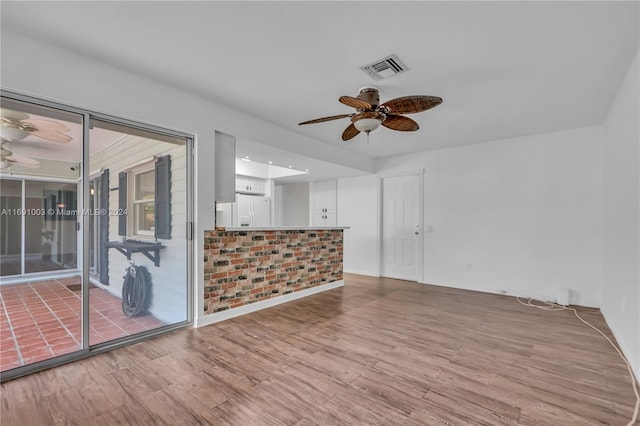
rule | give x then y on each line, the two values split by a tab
323	197
250	185
225	167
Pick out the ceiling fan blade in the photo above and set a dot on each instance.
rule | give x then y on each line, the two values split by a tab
52	136
401	123
46	125
354	102
412	104
29	163
350	132
11	115
320	120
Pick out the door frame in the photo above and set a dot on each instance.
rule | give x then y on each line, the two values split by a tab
191	264
83	249
419	174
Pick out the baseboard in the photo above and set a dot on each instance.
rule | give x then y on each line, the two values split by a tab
460	286
506	292
264	304
374	274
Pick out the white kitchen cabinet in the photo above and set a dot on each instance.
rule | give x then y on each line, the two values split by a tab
323	197
225	167
324	219
250	185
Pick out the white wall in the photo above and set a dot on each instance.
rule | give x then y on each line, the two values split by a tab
359	209
524	212
88	83
292	204
621	253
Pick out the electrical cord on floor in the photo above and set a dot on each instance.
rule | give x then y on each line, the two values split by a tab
552	306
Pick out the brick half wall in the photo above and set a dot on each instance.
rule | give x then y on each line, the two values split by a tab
242	267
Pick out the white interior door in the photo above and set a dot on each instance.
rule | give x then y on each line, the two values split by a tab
401	227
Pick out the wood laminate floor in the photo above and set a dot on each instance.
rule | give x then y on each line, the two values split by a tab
377	351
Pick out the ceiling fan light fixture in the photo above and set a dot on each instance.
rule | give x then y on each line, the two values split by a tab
367	124
12	132
370	114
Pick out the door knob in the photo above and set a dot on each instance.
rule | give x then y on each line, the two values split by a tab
417	233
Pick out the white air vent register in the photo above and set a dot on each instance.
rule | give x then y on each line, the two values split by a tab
384	68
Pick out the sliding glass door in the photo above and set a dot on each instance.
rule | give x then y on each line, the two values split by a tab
138	249
40	261
94	247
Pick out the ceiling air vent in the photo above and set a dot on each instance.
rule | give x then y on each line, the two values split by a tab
384	68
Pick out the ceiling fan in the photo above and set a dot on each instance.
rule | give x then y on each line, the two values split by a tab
7	159
17	125
370	114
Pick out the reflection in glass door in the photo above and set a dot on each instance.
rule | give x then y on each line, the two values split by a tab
40	279
38	216
51	239
11	262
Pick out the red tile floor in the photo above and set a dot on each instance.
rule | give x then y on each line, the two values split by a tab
41	320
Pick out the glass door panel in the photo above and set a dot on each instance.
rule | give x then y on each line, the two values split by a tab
139	194
40	250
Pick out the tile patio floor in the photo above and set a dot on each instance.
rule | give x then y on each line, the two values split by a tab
41	320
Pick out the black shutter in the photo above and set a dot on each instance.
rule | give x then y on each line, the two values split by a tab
122	203
163	198
103	228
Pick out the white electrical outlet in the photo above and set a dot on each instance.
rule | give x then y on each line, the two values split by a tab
469	266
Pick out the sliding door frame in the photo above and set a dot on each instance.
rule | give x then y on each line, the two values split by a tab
87	350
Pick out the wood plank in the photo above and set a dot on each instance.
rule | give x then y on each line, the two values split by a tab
377	351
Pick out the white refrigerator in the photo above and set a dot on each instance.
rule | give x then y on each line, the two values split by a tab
252	210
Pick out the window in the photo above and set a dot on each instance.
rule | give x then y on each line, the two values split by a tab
143	205
141	200
145	194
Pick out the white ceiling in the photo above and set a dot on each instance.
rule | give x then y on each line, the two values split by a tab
504	69
318	169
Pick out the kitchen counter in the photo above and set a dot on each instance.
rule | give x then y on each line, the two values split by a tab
245	265
278	228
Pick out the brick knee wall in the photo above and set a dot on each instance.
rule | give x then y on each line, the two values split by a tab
242	267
